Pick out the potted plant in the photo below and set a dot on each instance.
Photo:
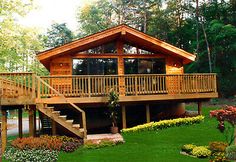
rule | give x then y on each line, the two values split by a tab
113	103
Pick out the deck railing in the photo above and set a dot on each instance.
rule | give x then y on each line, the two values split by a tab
17	84
126	85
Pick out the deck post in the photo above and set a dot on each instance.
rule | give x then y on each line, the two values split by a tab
54	129
147	113
31	121
20	123
4	130
123	117
199	106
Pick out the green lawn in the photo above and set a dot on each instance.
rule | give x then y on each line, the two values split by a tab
158	146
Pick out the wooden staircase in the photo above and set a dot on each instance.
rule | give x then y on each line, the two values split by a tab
56	115
61	119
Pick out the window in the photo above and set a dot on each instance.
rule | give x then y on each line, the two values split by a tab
144	66
94	66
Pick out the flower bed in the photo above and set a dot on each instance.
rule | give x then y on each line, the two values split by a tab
40	149
164	124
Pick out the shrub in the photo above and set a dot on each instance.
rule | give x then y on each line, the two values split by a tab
70	146
102	143
188	148
217	146
218	157
164	124
231	152
37	143
201	152
15	155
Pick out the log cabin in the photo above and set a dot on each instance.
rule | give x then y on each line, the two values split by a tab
147	73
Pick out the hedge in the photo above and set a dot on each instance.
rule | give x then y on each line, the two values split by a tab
153	126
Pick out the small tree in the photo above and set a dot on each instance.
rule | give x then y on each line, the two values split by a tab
227	114
113	103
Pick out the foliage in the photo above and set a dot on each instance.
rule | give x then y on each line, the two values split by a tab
227	114
217	146
37	143
90	144
201	152
176	22
70	146
113	103
188	148
57	143
33	155
57	35
218	157
18	45
164	124
231	152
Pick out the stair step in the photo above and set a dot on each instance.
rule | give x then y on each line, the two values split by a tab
81	129
50	107
70	121
56	112
63	117
77	126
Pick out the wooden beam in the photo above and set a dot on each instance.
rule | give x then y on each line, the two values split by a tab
199	107
20	124
123	117
54	129
31	122
34	121
148	113
4	130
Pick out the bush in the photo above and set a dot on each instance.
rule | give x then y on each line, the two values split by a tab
201	152
70	146
217	146
15	155
164	124
231	152
102	143
218	157
37	143
58	143
188	148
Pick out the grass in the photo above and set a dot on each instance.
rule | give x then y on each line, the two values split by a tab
153	146
161	146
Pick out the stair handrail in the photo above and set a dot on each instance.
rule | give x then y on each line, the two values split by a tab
65	99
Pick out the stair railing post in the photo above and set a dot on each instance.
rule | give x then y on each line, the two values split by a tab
84	124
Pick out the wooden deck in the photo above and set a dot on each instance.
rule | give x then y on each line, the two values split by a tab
27	88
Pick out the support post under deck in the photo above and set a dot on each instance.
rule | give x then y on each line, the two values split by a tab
199	106
147	113
123	117
4	130
20	130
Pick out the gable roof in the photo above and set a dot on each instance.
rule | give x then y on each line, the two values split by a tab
124	32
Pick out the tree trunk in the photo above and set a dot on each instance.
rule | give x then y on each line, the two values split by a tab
208	48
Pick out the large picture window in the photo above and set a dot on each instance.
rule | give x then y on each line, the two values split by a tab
144	66
94	66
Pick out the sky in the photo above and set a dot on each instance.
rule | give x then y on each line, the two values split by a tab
53	11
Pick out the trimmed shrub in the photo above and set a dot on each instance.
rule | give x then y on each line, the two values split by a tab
102	143
218	146
218	157
15	155
70	146
201	152
164	124
37	143
188	148
231	152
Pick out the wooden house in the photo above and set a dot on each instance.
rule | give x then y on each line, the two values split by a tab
142	69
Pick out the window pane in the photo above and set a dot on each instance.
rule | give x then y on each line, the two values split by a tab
145	66
159	66
80	67
110	66
131	66
96	67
